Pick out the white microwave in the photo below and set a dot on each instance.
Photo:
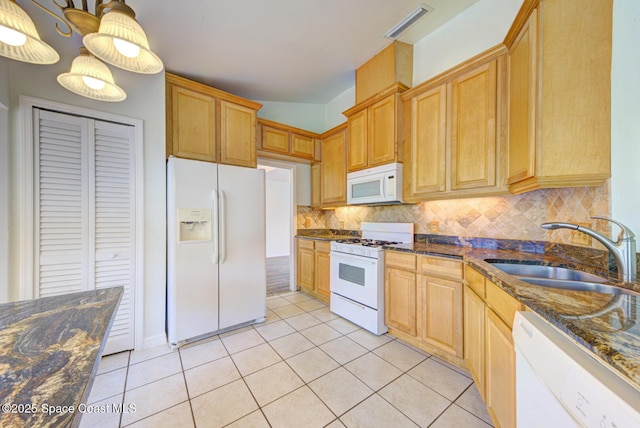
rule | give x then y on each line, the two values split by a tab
378	185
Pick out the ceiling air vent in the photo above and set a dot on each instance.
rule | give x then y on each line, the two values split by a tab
401	26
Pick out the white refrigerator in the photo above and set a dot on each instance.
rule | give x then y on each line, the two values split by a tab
216	257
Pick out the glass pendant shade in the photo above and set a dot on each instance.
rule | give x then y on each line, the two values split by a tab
19	38
121	41
92	79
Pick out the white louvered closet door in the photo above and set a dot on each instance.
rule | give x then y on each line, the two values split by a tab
85	212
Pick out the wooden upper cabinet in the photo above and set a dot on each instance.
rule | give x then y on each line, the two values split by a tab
375	130
208	124
191	124
280	141
238	135
357	147
316	185
522	110
424	168
383	135
333	169
456	144
560	94
274	139
303	146
473	128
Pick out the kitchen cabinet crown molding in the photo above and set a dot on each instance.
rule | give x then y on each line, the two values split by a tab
520	21
473	62
337	128
396	87
285	127
208	90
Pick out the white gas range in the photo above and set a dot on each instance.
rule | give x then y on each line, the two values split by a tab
357	273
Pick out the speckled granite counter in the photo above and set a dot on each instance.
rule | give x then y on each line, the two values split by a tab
326	234
49	352
607	325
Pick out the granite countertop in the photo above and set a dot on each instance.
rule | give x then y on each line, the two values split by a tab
327	234
50	349
606	325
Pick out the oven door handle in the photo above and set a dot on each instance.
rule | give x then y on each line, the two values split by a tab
358	259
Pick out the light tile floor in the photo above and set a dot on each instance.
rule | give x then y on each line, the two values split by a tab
303	367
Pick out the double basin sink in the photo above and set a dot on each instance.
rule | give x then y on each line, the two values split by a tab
557	277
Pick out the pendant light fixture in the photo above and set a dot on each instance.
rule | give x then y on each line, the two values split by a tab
121	41
19	38
90	78
111	34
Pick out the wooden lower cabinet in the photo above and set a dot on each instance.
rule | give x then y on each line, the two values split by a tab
323	268
313	267
488	345
500	384
400	300
306	264
441	323
423	302
474	320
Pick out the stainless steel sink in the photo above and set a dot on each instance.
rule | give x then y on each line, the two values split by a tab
579	285
562	278
550	272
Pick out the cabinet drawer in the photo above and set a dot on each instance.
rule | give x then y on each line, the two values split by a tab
502	303
400	260
439	266
323	246
475	280
306	243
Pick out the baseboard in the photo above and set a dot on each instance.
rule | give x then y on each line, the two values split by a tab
153	341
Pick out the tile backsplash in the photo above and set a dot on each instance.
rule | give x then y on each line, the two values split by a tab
500	217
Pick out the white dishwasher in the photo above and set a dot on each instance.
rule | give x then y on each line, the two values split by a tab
558	384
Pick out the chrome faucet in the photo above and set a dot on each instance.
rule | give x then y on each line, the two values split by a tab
623	250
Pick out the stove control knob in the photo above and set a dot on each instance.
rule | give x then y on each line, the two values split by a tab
368	253
351	250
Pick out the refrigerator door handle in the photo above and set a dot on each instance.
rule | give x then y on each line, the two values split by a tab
222	230
214	257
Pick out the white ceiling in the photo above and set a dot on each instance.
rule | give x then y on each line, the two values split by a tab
279	50
303	51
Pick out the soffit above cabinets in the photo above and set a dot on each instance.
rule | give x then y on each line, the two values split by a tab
280	50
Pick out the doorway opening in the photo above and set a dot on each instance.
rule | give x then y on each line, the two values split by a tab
280	207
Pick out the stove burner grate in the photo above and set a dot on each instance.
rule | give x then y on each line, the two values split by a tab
366	242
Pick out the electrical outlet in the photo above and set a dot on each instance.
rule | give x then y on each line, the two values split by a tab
342	225
579	237
434	227
307	222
